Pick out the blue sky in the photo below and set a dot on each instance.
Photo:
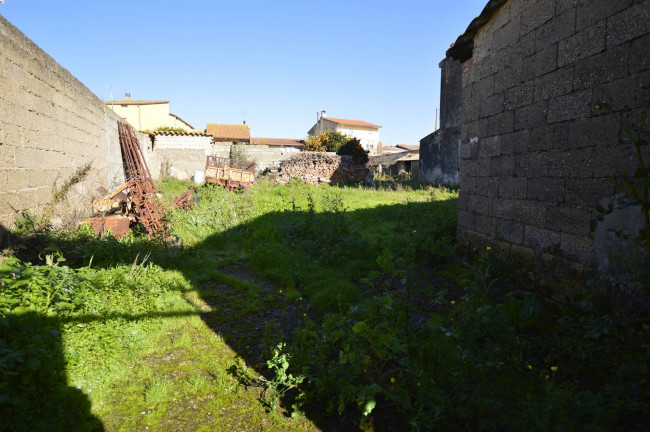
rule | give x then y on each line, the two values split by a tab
276	62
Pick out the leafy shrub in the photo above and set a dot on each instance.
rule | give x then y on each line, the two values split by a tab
353	148
330	141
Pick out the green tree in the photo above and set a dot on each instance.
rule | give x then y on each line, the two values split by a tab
330	141
353	148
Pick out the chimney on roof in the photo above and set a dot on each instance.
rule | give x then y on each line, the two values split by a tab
127	96
323	114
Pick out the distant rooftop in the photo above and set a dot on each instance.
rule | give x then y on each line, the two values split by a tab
229	132
136	102
280	142
349	122
409	147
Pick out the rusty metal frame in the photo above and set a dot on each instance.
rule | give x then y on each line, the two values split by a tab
142	191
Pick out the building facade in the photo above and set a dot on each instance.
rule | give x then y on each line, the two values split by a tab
366	133
148	115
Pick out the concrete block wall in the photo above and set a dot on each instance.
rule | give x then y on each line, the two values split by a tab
266	156
536	153
177	155
50	126
182	155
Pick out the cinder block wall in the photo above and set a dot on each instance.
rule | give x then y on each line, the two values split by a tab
536	153
50	125
265	156
185	154
179	155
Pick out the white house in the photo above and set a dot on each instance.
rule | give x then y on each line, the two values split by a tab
367	133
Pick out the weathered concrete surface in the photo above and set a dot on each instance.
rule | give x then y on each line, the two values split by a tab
177	155
440	151
50	126
536	153
440	157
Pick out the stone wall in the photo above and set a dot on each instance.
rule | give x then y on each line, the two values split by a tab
440	150
177	155
266	156
50	126
319	167
180	155
536	153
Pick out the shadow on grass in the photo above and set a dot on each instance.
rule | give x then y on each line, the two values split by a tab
304	265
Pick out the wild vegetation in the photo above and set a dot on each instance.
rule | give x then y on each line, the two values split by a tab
300	306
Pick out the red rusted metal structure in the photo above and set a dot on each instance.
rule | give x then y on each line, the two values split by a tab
229	173
185	200
142	191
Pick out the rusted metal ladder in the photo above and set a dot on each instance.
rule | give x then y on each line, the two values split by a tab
142	191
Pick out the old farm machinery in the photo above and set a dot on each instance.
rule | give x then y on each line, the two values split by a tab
229	173
134	201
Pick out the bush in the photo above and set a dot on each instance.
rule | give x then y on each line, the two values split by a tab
330	141
353	148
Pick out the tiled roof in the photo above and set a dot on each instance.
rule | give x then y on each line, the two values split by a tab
408	147
391	149
136	102
349	122
409	157
227	132
281	142
180	133
178	118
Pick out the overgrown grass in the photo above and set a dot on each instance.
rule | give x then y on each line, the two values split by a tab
357	308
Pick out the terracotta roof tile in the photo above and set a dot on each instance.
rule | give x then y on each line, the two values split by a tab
349	122
180	133
225	132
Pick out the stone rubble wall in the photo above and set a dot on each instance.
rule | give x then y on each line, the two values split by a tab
317	167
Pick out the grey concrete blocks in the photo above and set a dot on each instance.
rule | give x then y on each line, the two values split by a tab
545	189
582	45
515	142
560	27
513	187
629	24
537	14
541	239
601	131
520	95
573	106
529	116
640	55
531	213
554	84
587	191
510	231
502	166
569	219
590	71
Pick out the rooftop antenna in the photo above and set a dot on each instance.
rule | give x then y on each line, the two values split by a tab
110	90
243	114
